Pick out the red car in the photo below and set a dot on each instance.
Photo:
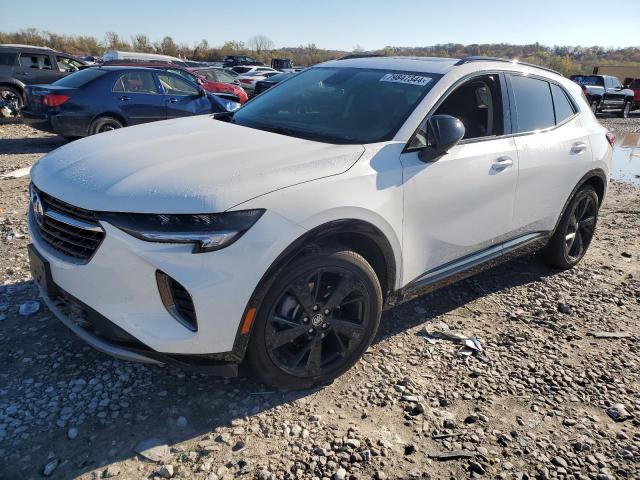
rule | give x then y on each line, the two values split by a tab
634	84
194	76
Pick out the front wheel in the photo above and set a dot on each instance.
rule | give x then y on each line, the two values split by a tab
575	231
594	106
626	109
316	319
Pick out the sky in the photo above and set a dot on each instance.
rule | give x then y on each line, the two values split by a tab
341	25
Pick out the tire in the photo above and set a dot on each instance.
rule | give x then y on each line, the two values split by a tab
626	109
594	106
104	124
574	233
7	91
295	343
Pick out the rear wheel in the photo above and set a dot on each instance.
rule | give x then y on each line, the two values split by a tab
104	124
575	230
626	109
316	320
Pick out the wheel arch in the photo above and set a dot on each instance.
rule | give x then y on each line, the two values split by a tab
360	236
597	178
109	113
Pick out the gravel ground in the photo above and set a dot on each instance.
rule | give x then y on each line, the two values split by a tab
548	398
621	125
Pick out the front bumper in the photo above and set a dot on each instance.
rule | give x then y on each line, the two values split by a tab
119	284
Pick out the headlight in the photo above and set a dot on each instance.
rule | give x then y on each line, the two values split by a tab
207	232
229	105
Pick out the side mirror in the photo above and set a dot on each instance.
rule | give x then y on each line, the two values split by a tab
201	93
443	132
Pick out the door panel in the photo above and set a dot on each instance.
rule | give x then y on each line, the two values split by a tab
136	94
458	205
550	165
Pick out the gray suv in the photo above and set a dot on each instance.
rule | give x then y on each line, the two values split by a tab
22	65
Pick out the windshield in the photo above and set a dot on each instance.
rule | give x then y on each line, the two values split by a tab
588	80
78	79
338	105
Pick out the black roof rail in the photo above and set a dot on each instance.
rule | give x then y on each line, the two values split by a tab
480	58
361	55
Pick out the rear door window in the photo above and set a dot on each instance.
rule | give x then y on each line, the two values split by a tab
136	82
174	85
39	62
561	103
533	104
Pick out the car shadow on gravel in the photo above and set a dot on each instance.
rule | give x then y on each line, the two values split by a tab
18	146
139	402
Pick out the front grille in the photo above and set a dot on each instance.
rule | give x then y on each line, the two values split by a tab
68	229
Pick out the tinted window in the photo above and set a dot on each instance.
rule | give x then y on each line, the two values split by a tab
534	107
80	78
7	58
41	62
173	85
136	82
591	80
563	107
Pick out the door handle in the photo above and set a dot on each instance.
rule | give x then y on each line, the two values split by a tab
501	163
578	148
124	98
172	100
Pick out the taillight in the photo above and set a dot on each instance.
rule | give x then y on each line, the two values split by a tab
54	100
611	138
245	80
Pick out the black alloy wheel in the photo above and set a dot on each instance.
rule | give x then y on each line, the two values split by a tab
317	322
594	106
575	230
580	228
319	317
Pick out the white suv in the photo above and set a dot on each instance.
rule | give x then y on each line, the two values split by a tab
278	233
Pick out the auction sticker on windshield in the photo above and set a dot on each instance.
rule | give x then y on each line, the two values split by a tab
406	78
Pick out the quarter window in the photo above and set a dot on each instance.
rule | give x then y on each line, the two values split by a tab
7	58
563	107
534	106
136	82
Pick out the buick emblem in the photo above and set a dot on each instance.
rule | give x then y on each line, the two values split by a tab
37	208
317	320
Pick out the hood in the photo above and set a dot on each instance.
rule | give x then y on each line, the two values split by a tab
191	165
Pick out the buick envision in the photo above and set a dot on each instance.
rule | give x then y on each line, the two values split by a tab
278	233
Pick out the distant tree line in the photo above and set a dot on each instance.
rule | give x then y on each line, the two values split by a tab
566	59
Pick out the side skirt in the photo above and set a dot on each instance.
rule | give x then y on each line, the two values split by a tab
469	265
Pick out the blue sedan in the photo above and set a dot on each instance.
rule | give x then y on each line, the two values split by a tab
100	99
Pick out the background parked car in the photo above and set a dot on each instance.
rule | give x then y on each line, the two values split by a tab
245	69
633	84
119	55
233	60
99	99
249	80
269	82
231	91
605	92
22	65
